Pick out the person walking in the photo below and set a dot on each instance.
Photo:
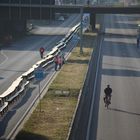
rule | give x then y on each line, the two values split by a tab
56	62
60	61
63	59
41	50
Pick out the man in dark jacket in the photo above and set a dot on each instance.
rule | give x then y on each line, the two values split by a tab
108	92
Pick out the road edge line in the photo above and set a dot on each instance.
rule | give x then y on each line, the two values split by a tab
92	103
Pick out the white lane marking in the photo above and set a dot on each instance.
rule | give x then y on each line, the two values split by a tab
96	78
6	57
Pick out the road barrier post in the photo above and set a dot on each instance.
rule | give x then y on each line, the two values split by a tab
39	75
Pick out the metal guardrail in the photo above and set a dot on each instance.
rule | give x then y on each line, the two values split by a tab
13	93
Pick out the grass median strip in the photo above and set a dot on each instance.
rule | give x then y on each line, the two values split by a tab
58	105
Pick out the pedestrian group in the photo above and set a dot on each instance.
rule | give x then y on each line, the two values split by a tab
59	61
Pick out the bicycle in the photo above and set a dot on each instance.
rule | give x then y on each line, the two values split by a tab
107	101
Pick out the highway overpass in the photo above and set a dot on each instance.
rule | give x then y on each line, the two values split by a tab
24	11
15	10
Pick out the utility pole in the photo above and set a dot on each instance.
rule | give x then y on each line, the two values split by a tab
10	16
40	10
81	31
39	96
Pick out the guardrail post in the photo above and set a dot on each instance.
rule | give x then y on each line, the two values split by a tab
39	97
81	32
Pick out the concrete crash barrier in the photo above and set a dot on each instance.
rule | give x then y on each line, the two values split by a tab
61	45
10	91
3	108
18	87
70	34
18	93
54	51
50	59
12	94
29	75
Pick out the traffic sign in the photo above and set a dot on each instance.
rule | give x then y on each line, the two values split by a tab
39	73
86	19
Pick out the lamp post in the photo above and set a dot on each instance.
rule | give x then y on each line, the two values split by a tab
81	32
10	16
39	75
40	10
50	12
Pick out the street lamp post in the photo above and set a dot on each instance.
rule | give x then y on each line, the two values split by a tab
40	10
50	16
81	32
10	10
39	75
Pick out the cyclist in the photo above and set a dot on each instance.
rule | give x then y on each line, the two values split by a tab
108	92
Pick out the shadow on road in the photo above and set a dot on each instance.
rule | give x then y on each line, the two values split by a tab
12	112
4	122
121	72
31	43
1	78
129	23
123	111
127	49
125	25
120	35
25	98
24	135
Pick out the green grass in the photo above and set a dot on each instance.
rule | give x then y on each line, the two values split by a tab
57	108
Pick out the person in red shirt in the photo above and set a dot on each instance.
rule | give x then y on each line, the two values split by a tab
41	52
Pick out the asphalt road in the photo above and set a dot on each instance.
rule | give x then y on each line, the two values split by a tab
115	61
18	58
120	67
21	55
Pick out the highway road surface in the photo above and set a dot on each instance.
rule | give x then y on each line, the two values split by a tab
18	58
115	61
120	67
21	55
